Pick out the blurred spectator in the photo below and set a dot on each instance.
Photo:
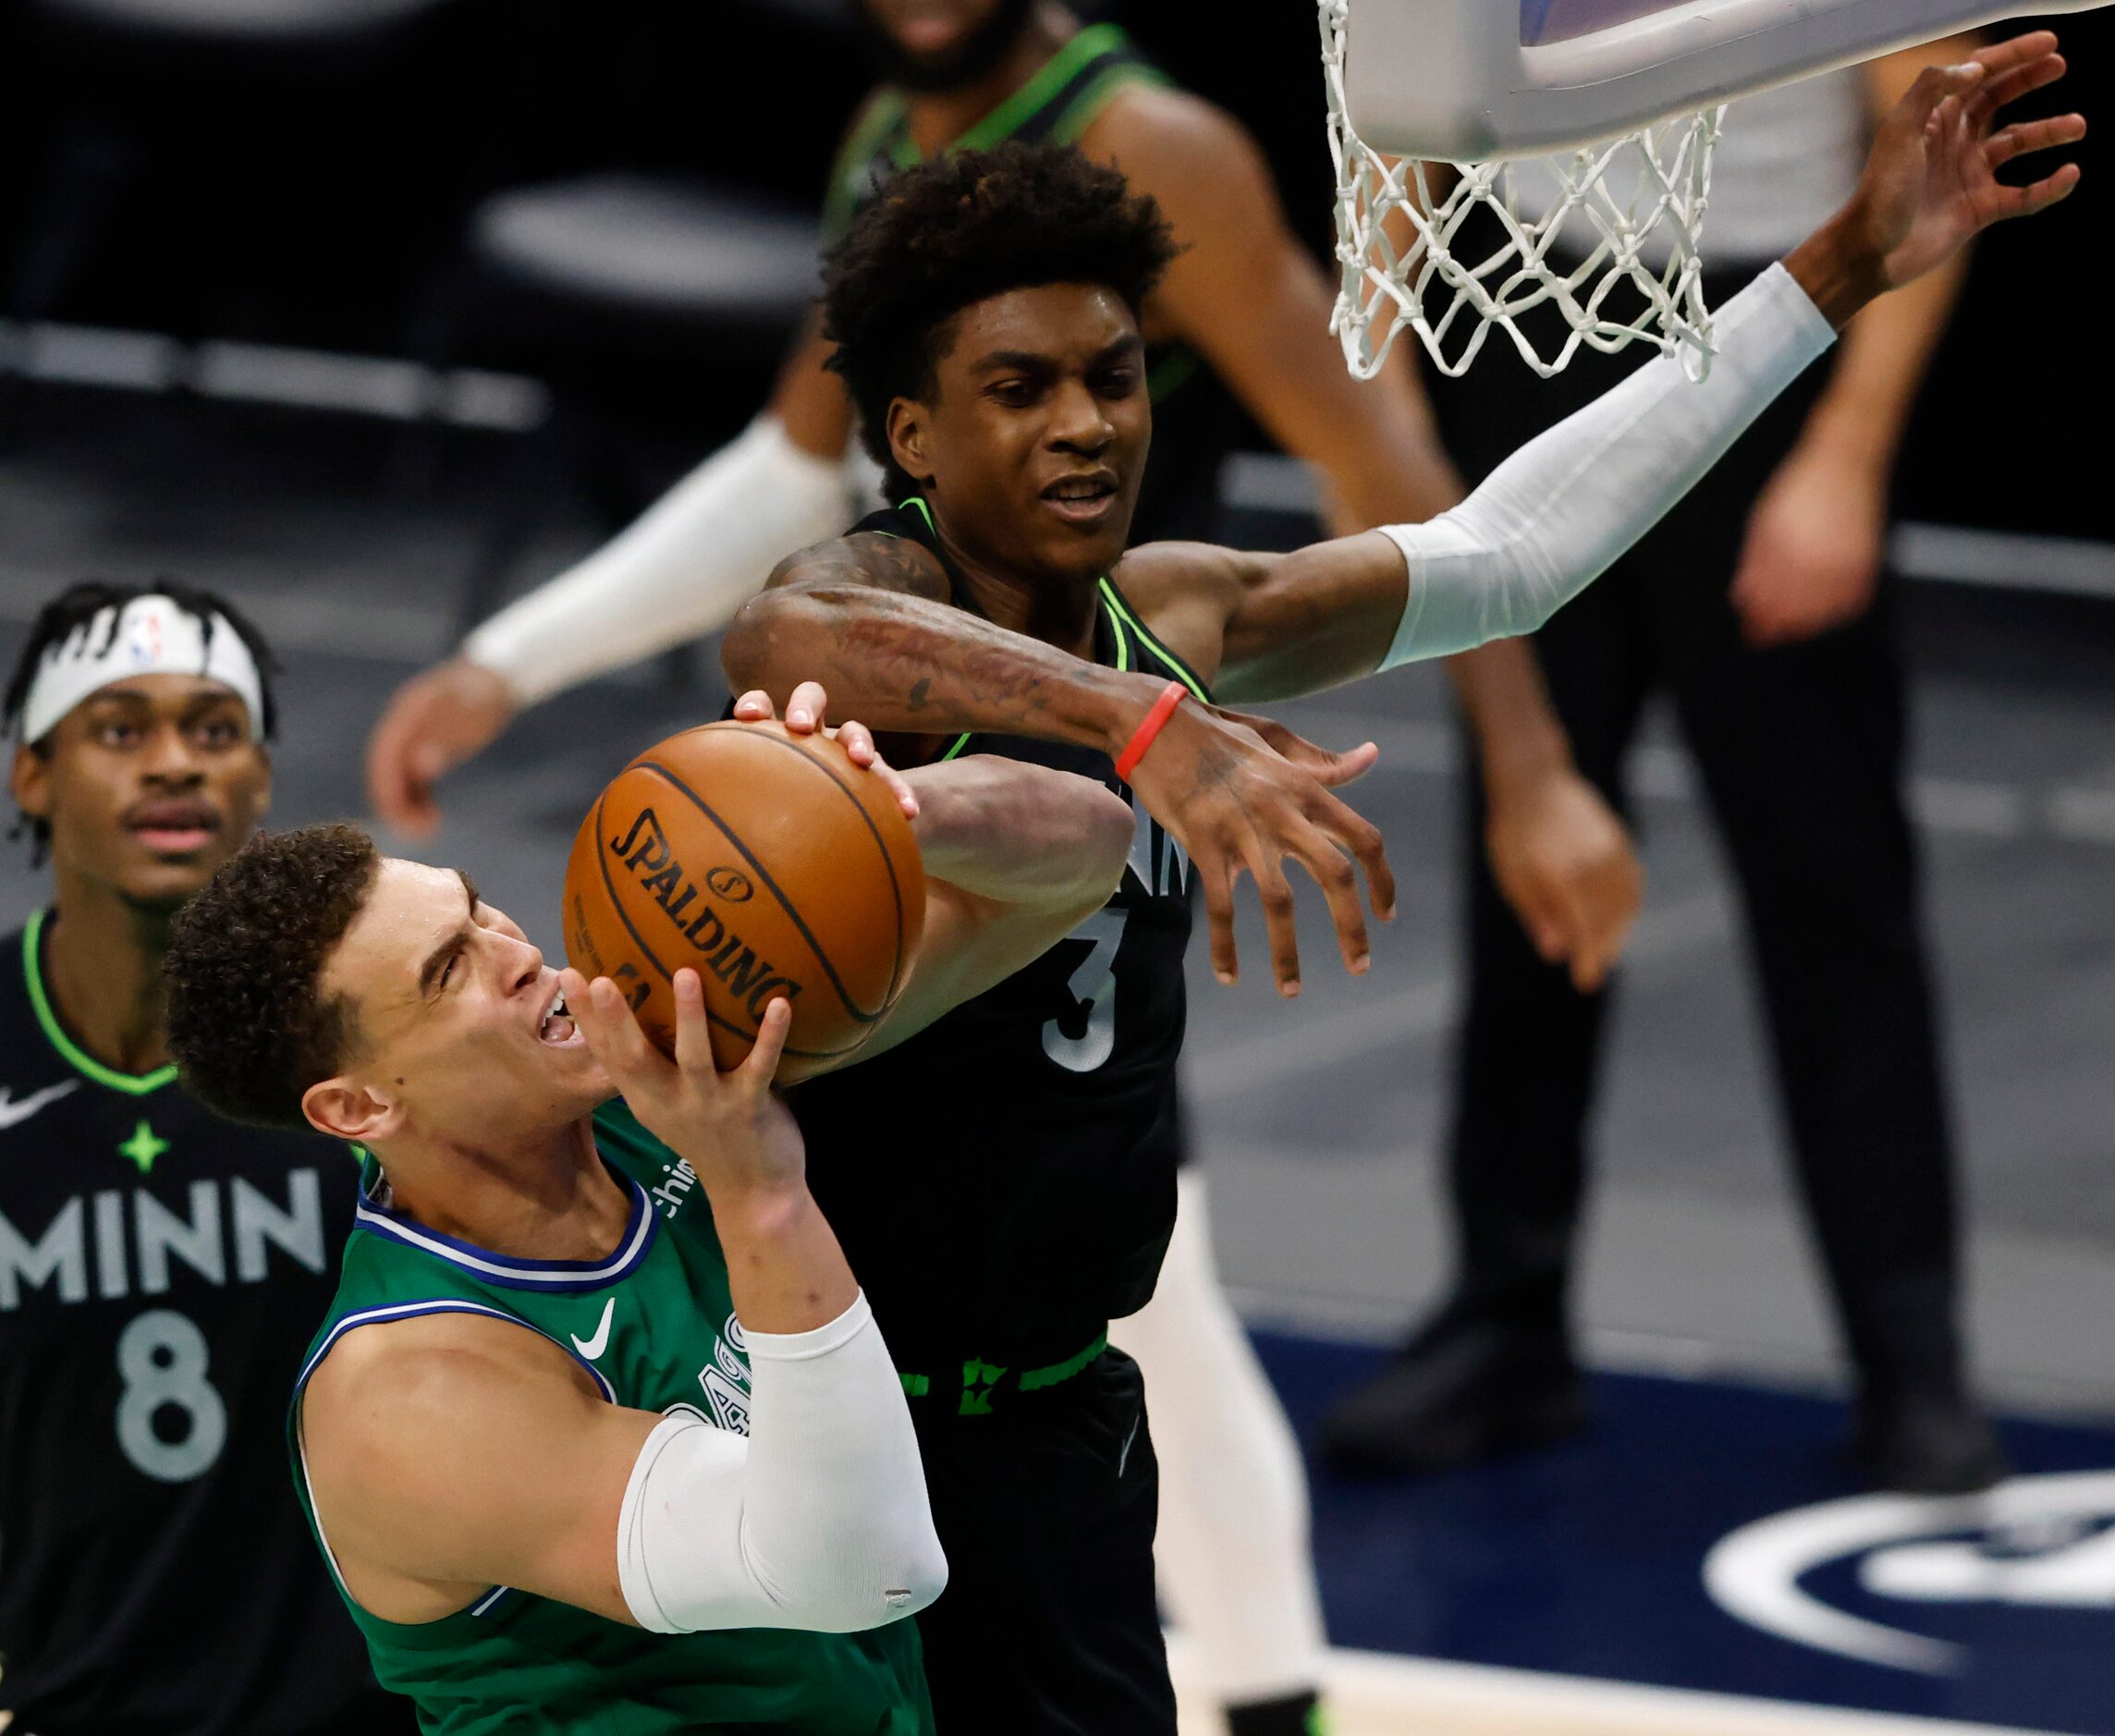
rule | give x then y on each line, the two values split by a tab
161	1271
1759	605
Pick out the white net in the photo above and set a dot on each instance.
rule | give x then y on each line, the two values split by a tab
1638	200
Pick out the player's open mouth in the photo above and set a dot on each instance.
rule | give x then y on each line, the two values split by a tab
174	825
556	1027
1083	499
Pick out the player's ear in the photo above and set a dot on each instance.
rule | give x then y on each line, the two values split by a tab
908	434
345	1110
30	782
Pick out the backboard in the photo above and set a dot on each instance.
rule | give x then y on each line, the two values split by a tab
1461	80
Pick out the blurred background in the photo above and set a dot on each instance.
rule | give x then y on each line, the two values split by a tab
369	313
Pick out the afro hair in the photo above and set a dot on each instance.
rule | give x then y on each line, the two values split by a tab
960	229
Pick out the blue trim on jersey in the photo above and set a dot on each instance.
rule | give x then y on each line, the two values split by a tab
439	1305
507	1271
412	1310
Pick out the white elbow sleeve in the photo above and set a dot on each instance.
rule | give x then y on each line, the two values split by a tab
679	573
817	1520
1562	510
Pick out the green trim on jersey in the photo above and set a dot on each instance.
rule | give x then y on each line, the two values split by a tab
882	130
1011	116
79	1058
1124	626
659	1317
1174	665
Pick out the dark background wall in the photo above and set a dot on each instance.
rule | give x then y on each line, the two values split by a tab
317	198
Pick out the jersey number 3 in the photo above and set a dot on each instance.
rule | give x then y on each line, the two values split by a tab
1093	985
162	1359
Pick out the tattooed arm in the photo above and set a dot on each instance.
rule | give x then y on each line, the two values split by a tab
868	617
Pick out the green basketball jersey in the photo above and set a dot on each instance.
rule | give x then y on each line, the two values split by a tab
653	1324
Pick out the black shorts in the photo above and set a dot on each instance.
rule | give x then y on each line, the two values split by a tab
1046	1507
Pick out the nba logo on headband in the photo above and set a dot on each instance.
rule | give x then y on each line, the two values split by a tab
150	635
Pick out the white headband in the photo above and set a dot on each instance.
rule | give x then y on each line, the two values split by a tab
154	635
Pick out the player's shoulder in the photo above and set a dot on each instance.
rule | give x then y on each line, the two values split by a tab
1152	130
381	1396
1155	577
868	555
421	1359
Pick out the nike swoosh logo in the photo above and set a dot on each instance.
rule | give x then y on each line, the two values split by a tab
593	1348
12	1113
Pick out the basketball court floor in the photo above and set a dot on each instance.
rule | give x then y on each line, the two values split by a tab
1701	1562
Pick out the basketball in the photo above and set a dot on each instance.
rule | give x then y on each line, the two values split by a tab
767	863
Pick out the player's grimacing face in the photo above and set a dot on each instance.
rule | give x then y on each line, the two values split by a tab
1035	441
454	1008
148	785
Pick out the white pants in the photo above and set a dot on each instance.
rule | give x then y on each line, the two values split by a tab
1235	1571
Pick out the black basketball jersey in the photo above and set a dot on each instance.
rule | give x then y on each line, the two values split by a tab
1196	420
1004	1182
160	1272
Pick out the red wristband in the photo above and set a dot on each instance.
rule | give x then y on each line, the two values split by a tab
1156	720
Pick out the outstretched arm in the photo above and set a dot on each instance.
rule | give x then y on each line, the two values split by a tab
1554	516
867	615
1816	537
1248	296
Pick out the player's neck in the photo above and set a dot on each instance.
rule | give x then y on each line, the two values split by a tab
545	1197
936	118
1057	608
101	959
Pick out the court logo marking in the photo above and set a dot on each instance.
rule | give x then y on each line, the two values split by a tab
2040	1541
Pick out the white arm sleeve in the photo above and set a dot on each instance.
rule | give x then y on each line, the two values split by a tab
1562	510
818	1518
695	557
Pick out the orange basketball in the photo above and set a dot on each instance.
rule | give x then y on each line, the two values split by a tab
768	864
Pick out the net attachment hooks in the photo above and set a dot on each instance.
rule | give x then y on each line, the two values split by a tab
1413	255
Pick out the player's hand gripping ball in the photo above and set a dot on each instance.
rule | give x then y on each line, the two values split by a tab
766	861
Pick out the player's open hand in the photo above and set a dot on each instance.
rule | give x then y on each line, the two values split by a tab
1239	803
432	724
1931	182
735	1133
1330	768
804	712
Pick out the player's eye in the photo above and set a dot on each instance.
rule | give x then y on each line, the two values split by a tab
1014	392
1117	382
219	732
115	733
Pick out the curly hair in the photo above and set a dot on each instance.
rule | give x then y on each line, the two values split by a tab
249	1023
958	231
